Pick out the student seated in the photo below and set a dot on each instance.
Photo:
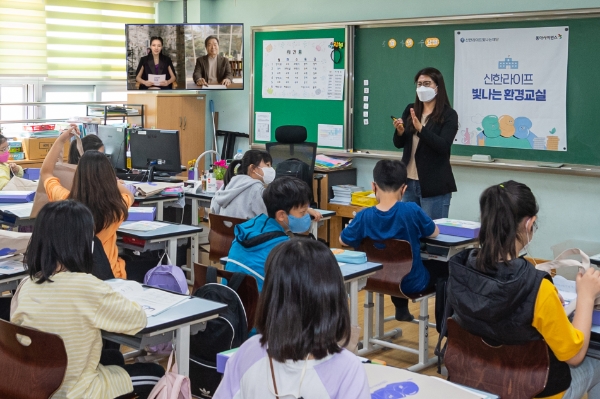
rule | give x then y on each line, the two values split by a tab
7	168
303	323
95	185
499	296
90	142
243	186
60	296
286	200
392	218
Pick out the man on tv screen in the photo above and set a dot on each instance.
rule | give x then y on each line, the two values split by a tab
212	69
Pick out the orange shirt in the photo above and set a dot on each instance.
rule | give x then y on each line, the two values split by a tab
108	236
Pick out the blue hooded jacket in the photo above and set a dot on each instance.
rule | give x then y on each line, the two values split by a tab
254	240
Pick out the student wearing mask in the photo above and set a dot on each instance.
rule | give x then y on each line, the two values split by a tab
286	200
7	168
426	132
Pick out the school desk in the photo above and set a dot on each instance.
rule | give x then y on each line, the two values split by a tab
156	239
355	279
159	200
20	217
173	325
10	282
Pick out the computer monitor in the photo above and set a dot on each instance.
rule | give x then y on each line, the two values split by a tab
155	149
115	144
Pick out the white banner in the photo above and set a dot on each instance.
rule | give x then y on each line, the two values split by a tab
299	69
510	87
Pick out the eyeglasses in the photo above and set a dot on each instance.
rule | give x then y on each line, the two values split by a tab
426	83
5	149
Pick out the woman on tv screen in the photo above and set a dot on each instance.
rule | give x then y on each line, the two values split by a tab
155	71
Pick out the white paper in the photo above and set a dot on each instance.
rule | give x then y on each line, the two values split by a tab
366	99
365	105
214	87
143	225
12	265
156	79
366	82
153	301
142	209
19	210
330	135
297	68
366	90
365	122
335	84
262	132
365	114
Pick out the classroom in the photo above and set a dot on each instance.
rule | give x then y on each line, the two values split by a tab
85	66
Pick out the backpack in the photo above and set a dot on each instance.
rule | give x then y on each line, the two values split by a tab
170	278
167	277
294	167
227	331
172	385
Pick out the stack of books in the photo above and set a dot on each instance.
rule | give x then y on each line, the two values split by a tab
342	194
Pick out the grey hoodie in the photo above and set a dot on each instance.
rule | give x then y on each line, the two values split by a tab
242	198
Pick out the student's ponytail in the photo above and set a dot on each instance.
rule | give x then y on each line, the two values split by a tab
503	207
251	157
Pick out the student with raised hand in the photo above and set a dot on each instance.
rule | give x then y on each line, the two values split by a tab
7	168
394	218
286	200
60	296
90	142
95	185
243	186
499	296
303	324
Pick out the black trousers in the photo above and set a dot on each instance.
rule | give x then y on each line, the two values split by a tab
144	376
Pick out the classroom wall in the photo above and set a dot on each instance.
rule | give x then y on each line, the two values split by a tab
568	204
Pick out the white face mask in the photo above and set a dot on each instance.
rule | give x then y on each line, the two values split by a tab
268	175
525	250
426	94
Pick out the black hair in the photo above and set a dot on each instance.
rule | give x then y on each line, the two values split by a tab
389	175
209	38
251	157
153	38
2	139
285	193
503	207
62	237
90	142
303	307
441	98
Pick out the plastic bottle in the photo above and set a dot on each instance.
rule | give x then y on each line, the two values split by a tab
211	182
203	180
239	155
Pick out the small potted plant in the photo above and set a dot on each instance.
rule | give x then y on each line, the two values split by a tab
191	165
219	170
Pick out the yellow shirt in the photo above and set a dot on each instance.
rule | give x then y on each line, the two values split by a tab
77	306
108	236
550	319
5	174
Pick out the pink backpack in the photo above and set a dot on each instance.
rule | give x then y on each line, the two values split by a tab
172	385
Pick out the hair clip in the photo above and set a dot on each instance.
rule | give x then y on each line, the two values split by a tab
501	185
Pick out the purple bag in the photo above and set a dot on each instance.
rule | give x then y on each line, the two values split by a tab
166	277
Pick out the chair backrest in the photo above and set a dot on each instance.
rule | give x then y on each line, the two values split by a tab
509	371
33	371
248	291
221	235
396	258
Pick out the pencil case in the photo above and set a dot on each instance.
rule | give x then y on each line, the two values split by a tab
345	256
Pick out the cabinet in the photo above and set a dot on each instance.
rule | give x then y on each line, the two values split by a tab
183	112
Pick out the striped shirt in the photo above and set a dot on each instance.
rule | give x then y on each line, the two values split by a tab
77	306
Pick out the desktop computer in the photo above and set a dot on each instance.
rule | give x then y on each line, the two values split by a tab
156	150
115	145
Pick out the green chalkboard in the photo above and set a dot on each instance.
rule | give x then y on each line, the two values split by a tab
390	73
304	112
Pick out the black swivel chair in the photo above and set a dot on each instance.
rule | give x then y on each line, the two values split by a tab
291	143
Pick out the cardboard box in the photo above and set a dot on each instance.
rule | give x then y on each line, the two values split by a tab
37	148
142	213
459	228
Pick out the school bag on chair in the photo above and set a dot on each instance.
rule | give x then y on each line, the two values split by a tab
170	278
172	385
227	331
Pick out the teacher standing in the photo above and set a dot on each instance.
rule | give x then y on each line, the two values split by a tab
426	132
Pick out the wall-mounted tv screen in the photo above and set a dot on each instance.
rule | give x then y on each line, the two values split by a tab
185	56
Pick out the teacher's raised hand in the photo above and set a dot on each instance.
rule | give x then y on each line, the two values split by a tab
399	125
416	122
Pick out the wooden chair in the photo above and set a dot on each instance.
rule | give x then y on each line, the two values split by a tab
33	371
248	291
509	371
221	235
396	258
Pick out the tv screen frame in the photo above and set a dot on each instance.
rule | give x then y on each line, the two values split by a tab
177	37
